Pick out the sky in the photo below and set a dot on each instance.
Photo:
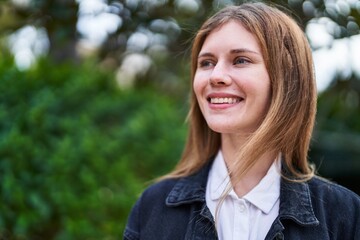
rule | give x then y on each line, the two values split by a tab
331	56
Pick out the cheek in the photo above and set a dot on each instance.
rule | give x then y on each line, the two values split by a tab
260	90
198	85
264	85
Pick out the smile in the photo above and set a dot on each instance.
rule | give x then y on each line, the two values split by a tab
225	100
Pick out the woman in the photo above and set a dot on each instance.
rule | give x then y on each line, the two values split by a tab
244	172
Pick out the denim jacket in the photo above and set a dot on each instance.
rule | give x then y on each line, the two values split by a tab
176	209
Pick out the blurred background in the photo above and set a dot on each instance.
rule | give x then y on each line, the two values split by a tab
94	95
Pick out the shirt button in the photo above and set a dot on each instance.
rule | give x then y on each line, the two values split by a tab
242	207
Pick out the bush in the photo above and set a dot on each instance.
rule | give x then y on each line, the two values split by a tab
75	150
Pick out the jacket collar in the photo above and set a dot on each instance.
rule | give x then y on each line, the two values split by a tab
295	200
190	189
295	203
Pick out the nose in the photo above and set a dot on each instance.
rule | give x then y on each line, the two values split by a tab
220	76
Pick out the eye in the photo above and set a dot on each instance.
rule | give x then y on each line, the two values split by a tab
241	60
205	63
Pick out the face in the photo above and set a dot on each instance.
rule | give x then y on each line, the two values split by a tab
231	83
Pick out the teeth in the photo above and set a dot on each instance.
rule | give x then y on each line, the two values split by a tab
224	100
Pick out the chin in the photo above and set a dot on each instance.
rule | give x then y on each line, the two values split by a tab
231	129
222	128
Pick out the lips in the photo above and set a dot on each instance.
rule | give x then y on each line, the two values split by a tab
223	99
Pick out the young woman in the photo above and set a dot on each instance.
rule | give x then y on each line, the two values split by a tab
244	173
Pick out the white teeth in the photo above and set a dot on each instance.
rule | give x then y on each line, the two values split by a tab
224	100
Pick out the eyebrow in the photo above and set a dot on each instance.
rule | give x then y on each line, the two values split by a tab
205	54
243	50
233	51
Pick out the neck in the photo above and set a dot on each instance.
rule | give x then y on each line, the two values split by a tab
230	146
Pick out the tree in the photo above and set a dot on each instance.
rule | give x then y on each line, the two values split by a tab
57	17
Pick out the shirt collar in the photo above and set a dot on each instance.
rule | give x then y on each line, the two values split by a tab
263	196
295	197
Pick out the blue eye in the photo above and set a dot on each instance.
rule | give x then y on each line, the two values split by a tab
205	63
241	60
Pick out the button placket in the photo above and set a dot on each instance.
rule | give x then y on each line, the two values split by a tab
242	206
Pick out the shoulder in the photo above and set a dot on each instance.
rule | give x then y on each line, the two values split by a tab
332	211
159	189
166	205
330	191
162	207
148	210
155	195
336	205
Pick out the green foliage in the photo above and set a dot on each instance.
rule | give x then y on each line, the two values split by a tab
75	150
337	137
339	105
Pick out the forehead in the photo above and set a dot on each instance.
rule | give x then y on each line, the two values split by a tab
230	34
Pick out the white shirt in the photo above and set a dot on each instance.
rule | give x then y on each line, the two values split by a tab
249	217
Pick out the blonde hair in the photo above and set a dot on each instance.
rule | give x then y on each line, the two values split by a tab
288	124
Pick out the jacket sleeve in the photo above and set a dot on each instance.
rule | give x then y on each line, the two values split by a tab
132	229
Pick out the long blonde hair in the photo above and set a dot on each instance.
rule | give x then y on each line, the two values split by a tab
288	124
